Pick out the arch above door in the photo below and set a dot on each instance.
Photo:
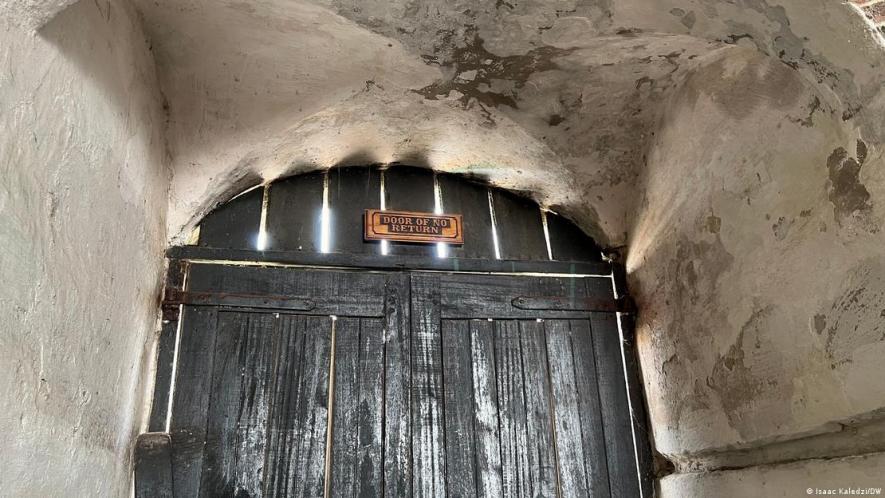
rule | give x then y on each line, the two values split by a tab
322	212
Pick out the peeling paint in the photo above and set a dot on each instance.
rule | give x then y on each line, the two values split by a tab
855	319
844	189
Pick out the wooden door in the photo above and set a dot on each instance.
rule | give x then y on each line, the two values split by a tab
274	401
296	382
517	390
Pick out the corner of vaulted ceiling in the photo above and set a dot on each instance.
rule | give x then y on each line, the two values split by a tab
31	15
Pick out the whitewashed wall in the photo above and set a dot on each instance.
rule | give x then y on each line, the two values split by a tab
83	188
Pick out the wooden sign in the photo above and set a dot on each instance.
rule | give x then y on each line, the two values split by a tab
406	226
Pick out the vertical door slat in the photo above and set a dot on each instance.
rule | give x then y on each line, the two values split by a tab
409	189
623	475
357	418
539	419
644	457
459	413
312	412
234	224
572	473
351	191
370	409
472	201
397	377
520	232
191	398
592	431
428	428
298	465
569	243
283	428
294	206
485	399
345	434
236	426
511	409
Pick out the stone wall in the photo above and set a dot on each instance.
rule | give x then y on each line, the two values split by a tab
83	182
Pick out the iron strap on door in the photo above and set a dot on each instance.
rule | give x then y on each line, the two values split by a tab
175	297
590	304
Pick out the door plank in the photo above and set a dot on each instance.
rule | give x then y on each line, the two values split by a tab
409	189
297	466
191	398
644	457
485	400
163	377
592	431
519	227
459	410
371	397
282	426
572	473
511	409
357	417
152	466
568	242
345	414
472	201
234	224
352	190
294	209
539	416
623	474
236	426
428	427
397	380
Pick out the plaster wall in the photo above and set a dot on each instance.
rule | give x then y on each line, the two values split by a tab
83	182
733	151
821	477
757	262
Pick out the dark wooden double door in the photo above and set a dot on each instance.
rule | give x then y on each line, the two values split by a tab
348	383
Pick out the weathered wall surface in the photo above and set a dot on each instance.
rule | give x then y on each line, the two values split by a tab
732	148
82	200
822	477
31	14
757	261
584	80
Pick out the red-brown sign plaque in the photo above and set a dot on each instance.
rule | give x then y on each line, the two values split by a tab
407	226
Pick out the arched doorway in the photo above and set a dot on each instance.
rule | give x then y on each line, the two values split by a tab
304	360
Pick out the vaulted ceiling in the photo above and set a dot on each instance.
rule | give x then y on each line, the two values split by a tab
572	87
557	97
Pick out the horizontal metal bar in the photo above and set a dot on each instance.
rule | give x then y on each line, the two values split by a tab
573	304
391	262
175	297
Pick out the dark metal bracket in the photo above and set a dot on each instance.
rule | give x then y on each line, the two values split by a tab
621	305
175	297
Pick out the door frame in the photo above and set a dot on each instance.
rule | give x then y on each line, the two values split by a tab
176	296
